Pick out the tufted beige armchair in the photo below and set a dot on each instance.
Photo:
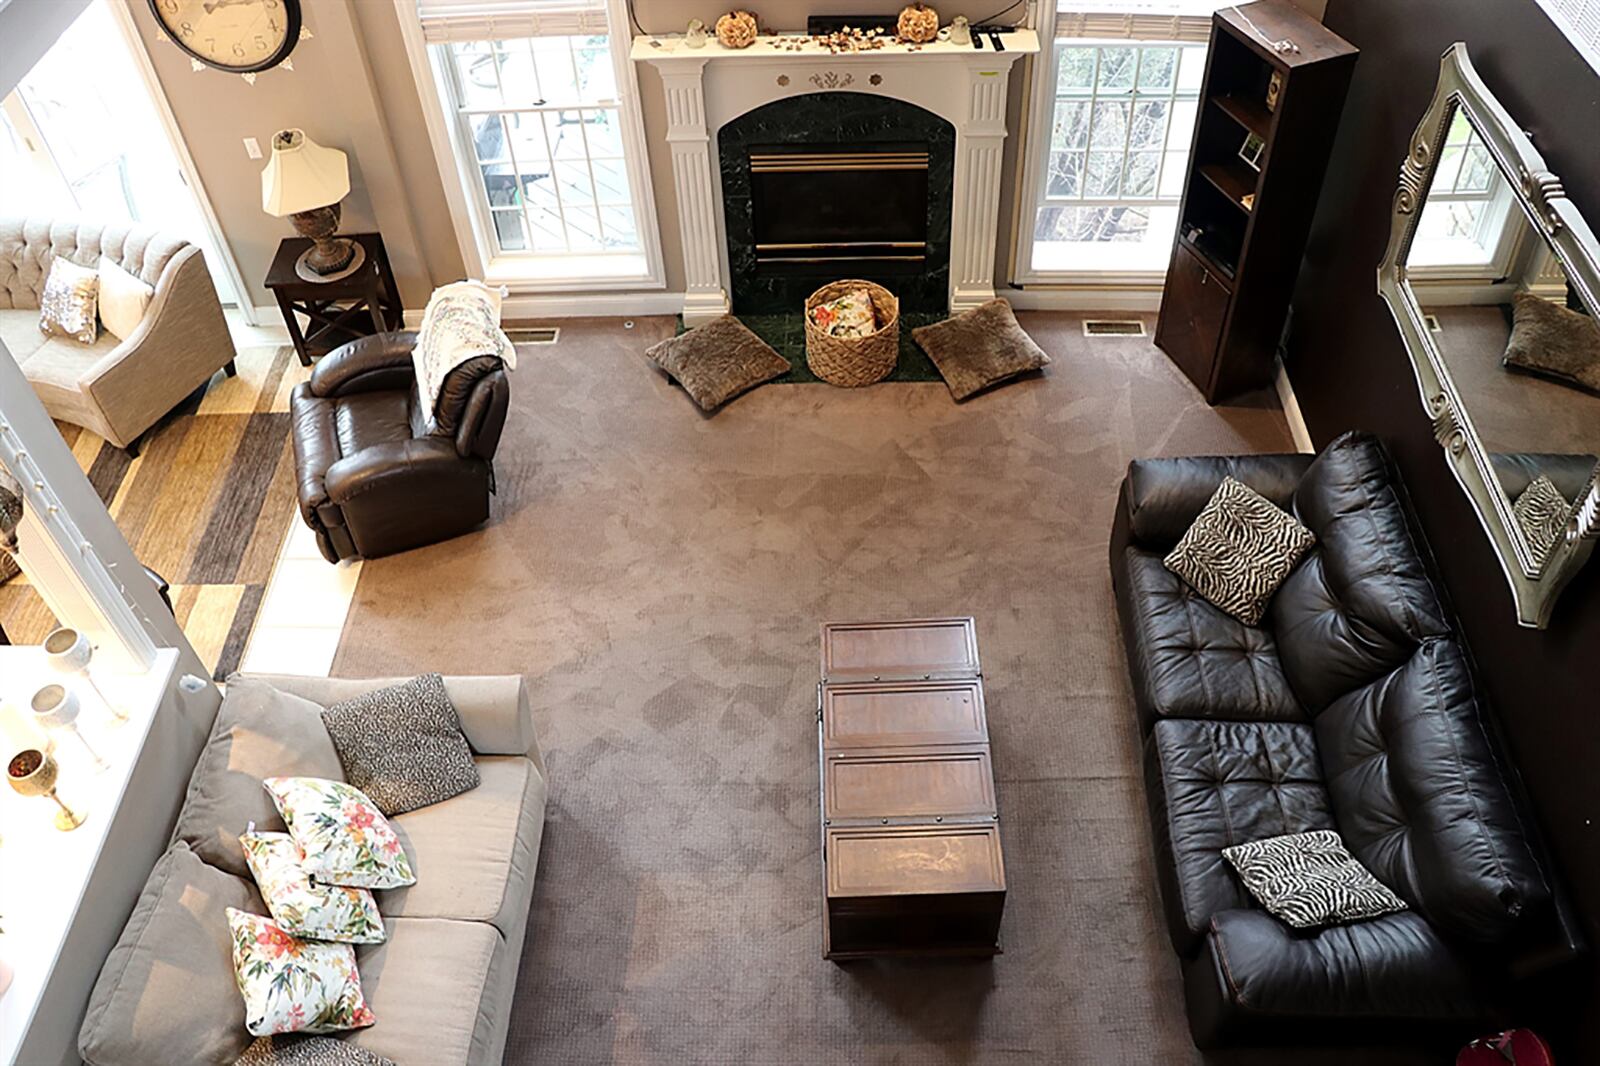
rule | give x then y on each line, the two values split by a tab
116	388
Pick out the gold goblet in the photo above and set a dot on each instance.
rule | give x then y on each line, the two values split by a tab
33	773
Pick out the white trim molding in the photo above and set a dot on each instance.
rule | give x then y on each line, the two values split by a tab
708	87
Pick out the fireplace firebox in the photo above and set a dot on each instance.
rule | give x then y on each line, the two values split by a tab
832	185
819	210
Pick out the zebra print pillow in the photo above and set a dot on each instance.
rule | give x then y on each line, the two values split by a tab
1239	550
1310	880
1542	512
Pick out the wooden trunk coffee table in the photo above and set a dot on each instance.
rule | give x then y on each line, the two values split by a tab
910	830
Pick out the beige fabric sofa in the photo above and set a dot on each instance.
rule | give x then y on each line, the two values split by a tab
116	388
440	986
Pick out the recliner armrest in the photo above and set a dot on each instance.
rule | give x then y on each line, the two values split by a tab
1164	496
389	464
381	361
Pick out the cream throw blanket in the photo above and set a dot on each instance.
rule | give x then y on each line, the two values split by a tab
462	322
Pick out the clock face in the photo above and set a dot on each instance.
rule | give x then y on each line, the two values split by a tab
240	36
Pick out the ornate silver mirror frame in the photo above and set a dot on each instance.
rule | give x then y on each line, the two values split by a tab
1534	584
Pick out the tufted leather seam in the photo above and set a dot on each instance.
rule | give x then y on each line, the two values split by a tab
1461	773
1222	795
1276	780
1195	644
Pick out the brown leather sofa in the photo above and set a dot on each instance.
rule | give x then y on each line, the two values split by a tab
373	480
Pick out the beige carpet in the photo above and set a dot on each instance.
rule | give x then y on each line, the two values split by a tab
660	576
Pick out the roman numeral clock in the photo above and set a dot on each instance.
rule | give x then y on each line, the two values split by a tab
236	36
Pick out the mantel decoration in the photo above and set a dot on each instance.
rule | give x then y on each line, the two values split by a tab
737	29
918	23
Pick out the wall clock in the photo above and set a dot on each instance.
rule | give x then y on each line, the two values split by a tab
238	36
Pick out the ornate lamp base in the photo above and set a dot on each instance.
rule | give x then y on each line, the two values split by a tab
330	257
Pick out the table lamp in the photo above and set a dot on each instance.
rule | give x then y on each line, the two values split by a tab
305	182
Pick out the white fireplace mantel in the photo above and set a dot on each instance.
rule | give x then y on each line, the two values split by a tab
710	86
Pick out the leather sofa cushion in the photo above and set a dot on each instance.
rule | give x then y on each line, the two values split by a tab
1165	496
1211	785
259	732
1361	602
1192	660
1422	801
433	987
166	992
1256	972
474	854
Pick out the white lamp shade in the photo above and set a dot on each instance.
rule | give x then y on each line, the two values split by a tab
302	175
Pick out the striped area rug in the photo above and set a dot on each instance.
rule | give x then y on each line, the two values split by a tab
206	505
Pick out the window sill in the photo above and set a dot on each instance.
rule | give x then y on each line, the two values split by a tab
574	273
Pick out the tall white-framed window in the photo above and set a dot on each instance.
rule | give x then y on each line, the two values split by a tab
1114	105
1470	225
532	108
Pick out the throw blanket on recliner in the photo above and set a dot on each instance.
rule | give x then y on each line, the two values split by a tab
461	323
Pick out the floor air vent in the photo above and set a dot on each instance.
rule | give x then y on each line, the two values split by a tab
538	335
1113	327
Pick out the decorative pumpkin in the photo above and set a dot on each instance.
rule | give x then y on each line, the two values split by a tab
737	29
918	23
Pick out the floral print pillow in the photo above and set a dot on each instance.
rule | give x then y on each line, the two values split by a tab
343	838
850	315
303	908
292	985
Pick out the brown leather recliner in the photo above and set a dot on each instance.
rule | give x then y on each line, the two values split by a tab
373	480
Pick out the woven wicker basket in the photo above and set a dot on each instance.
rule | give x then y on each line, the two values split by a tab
854	361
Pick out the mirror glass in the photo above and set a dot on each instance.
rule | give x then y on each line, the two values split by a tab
1516	340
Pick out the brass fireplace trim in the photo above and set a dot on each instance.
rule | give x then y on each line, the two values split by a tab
804	245
792	162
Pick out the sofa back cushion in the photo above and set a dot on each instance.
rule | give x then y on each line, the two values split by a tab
1421	799
260	732
166	992
1366	645
1360	603
28	245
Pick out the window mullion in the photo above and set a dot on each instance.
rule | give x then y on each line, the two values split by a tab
588	156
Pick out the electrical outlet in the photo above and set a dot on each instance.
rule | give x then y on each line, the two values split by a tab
252	148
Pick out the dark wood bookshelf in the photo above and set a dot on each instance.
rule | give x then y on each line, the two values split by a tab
1242	230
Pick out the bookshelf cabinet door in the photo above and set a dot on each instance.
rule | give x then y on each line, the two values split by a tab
1193	309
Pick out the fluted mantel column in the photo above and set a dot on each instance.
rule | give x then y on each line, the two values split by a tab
694	180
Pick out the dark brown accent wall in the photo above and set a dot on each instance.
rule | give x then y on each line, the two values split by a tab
1350	370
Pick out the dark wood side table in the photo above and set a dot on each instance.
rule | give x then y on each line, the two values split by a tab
363	303
910	829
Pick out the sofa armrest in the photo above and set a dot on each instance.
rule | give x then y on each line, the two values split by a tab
495	713
181	341
1257	981
381	361
1163	497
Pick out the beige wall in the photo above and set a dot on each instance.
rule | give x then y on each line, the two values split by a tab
352	88
332	95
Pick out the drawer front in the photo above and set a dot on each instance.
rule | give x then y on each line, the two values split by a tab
913	860
1194	307
921	648
899	784
905	713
